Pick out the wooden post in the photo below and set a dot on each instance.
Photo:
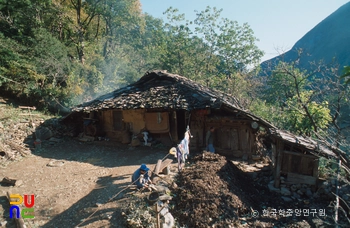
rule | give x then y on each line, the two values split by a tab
315	170
274	159
156	171
279	151
158	217
173	127
337	194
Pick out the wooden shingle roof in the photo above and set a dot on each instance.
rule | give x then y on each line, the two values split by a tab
162	90
159	89
312	146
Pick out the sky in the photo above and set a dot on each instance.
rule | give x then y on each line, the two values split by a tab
278	24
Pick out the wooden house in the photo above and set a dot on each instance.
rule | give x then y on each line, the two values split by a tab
165	105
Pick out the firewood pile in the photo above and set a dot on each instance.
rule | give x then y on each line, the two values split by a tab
22	130
14	133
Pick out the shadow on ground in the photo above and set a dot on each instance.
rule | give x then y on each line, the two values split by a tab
98	205
100	153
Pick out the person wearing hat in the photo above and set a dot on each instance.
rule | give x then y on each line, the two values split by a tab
141	177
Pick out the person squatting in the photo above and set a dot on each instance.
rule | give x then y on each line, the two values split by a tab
141	177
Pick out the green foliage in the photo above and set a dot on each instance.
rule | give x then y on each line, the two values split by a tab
211	50
73	51
37	71
302	110
328	169
216	47
284	83
19	17
268	112
346	74
50	57
16	72
305	116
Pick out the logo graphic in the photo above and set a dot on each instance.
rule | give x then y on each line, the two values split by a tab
27	212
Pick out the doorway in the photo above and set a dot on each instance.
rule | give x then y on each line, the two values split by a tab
181	123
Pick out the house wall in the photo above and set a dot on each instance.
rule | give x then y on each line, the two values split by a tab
231	137
110	128
299	163
157	122
197	128
120	125
136	120
296	166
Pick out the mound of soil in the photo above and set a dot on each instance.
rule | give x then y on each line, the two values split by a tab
213	192
210	195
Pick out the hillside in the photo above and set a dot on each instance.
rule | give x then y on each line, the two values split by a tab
327	41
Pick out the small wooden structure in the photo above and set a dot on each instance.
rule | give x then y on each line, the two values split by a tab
161	167
297	157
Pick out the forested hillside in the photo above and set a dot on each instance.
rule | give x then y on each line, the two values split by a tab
59	53
307	84
70	51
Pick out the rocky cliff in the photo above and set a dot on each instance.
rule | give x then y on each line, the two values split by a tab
327	41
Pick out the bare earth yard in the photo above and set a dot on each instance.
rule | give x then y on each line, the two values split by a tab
71	178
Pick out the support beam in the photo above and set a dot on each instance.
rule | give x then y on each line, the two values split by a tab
279	151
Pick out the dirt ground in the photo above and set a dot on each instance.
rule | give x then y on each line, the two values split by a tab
71	180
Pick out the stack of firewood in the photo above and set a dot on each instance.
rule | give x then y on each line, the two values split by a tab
14	132
22	131
17	132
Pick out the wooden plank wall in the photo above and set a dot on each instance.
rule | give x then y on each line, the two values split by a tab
299	163
231	138
299	167
107	123
133	118
197	128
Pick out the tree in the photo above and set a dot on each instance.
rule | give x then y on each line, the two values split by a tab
216	53
85	13
284	83
307	116
346	74
37	72
19	17
175	56
291	89
337	93
234	45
